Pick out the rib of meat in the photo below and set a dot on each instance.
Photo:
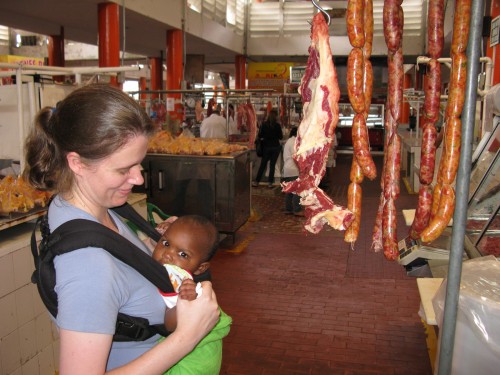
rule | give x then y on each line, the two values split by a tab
247	122
320	95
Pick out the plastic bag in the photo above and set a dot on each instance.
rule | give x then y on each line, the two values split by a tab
477	334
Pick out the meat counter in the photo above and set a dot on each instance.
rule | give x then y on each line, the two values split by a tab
374	123
217	187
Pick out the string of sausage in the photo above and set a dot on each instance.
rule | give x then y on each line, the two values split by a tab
385	229
432	90
359	18
443	202
320	95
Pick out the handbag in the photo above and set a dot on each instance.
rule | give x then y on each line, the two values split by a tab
258	146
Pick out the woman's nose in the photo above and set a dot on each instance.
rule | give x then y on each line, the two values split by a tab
136	176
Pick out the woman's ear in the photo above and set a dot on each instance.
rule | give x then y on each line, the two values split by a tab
75	162
202	268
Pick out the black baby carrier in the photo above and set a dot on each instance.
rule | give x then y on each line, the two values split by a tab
81	233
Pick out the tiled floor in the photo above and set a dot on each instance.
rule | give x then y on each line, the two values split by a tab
309	304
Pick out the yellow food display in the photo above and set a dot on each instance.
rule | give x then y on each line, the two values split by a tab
164	143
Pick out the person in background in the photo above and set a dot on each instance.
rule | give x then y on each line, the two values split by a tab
290	173
271	134
88	151
185	249
233	126
214	126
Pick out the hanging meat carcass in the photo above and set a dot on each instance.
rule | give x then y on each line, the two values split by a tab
320	95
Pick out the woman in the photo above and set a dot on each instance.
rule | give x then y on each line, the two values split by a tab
89	152
270	132
291	173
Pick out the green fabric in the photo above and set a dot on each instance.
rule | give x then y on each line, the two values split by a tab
206	357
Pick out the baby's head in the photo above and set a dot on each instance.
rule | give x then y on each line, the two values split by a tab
189	242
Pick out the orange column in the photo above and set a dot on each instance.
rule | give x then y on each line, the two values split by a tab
142	87
175	53
109	36
494	52
156	75
240	74
55	50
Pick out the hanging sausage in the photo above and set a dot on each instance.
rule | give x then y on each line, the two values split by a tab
359	19
444	193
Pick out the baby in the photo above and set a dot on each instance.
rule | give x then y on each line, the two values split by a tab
185	249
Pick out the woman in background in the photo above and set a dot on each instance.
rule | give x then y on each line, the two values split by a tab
270	132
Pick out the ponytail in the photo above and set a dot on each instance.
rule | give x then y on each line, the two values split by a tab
44	163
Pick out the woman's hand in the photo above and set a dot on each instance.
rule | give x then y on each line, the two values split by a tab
163	226
196	318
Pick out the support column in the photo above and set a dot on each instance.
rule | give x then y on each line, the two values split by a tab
156	75
55	50
494	52
143	85
405	106
175	53
109	37
241	74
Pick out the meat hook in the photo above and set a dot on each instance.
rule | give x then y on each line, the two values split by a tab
323	11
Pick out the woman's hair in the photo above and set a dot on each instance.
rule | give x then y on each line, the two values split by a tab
94	121
272	117
293	131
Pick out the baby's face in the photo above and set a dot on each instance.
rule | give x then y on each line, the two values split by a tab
181	245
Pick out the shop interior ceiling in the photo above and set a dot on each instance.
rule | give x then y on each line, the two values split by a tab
79	18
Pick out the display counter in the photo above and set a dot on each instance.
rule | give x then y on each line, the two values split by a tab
217	187
374	123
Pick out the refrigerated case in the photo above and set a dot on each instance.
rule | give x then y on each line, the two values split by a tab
217	187
374	123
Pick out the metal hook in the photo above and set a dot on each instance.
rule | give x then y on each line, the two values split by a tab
322	10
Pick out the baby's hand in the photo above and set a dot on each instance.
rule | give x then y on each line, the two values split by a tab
163	226
187	290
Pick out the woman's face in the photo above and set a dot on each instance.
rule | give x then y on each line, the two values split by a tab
108	182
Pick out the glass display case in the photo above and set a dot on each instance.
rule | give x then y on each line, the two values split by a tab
374	122
483	220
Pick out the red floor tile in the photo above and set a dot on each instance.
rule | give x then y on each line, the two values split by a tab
309	304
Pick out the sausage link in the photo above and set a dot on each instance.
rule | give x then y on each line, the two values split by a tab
436	196
461	24
367	84
457	85
354	194
393	24
368	21
361	146
432	90
354	20
452	139
355	63
435	28
389	226
423	211
392	168
442	217
356	174
377	227
428	154
395	84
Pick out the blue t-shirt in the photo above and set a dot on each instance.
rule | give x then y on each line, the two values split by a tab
93	286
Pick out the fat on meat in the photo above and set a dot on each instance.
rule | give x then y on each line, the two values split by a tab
320	95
